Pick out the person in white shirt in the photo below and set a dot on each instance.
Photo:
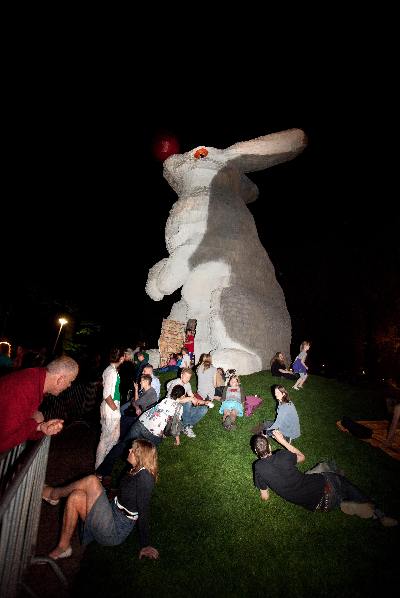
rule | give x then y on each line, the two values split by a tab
150	426
186	363
110	406
194	410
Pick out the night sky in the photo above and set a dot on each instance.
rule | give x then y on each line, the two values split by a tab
85	213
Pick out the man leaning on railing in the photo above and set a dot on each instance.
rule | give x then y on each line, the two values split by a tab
22	392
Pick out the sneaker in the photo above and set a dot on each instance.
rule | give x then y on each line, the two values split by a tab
295	388
365	510
388	521
188	431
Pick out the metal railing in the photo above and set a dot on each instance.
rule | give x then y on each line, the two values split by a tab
22	475
74	404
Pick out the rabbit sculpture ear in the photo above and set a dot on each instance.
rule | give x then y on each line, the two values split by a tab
263	152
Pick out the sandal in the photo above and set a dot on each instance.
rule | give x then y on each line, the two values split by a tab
51	501
63	555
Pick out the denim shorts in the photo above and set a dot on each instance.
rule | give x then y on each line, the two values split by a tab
106	524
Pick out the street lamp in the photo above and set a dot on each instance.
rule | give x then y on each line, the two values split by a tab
62	321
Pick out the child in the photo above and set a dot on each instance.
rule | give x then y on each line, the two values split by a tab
172	365
299	365
172	360
186	362
189	344
232	405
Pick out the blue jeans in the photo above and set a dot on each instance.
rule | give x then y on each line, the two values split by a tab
138	430
192	415
343	489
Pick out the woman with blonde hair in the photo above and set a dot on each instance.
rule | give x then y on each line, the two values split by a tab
206	374
107	523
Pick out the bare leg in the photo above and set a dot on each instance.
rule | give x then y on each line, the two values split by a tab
81	498
75	507
296	384
91	485
300	381
233	416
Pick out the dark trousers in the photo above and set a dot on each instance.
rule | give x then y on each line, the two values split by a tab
343	489
138	430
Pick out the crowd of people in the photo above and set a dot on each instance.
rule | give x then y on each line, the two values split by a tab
134	421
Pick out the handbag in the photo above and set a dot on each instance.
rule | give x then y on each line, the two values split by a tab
251	403
174	424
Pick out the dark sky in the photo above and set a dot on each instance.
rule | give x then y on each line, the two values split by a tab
87	204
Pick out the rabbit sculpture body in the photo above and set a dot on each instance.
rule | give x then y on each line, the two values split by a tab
228	281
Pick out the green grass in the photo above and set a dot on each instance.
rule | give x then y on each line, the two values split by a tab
217	538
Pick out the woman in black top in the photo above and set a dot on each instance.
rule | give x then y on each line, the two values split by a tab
279	369
109	523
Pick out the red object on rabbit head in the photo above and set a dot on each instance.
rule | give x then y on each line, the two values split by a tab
201	153
165	146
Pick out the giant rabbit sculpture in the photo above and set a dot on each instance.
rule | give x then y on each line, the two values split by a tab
228	281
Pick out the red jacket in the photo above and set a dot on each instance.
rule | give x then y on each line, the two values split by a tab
20	396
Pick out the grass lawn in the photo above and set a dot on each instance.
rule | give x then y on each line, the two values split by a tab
217	538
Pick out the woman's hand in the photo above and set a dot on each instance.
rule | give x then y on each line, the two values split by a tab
149	552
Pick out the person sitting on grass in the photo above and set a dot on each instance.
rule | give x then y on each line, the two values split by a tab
107	523
195	408
150	426
219	384
172	365
287	419
232	403
316	492
279	369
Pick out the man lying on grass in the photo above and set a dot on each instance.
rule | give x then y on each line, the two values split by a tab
316	492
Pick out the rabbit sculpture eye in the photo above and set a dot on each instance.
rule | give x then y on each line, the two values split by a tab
201	153
228	281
